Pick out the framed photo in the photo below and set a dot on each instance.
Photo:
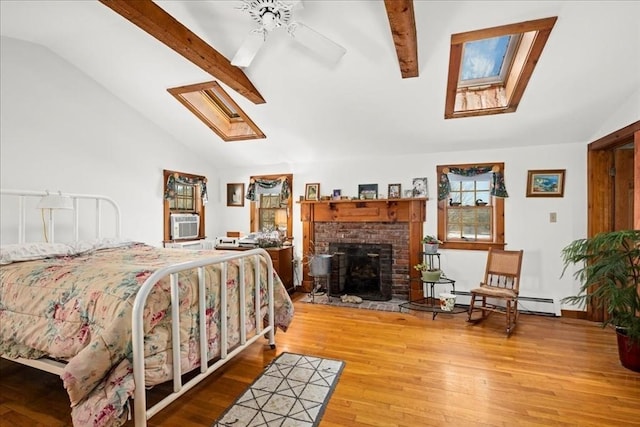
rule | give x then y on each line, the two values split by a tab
337	194
368	191
546	183
235	194
394	191
420	187
312	192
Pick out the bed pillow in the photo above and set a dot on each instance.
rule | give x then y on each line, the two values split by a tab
86	246
30	251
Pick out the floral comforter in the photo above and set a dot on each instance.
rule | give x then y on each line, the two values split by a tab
78	308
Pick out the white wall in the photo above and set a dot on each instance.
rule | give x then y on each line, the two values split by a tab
61	130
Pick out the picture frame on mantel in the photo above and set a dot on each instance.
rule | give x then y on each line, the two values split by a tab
235	194
394	191
368	191
312	192
545	183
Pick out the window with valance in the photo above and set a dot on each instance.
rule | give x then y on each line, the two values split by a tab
184	193
271	203
471	205
279	185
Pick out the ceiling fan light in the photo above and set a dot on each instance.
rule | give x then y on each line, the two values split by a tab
269	21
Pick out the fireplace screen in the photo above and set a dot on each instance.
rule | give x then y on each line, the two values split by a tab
361	269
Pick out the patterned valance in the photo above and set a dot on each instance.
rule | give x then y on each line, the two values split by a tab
497	189
253	192
176	178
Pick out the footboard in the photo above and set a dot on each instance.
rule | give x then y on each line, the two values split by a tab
141	412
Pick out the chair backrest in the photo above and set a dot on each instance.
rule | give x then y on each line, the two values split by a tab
503	269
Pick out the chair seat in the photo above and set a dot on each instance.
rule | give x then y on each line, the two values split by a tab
501	282
492	291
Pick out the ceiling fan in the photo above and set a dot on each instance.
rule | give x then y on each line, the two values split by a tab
273	14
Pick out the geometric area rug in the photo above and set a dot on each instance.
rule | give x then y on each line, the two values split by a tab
293	390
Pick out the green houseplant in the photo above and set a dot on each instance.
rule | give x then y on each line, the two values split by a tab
428	274
609	274
431	244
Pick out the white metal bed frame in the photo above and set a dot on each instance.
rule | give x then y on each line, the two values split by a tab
141	412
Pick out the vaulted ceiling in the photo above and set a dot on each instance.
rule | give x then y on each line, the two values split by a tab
385	96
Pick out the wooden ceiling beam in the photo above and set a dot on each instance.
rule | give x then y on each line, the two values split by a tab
159	24
403	28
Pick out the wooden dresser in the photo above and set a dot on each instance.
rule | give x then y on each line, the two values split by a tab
282	259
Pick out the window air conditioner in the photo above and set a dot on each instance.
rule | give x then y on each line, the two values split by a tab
185	226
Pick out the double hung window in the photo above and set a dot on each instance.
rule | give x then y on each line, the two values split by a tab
471	206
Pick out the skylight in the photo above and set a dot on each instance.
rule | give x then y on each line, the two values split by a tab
484	60
211	104
490	68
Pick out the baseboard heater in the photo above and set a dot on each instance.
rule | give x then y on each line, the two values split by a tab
522	308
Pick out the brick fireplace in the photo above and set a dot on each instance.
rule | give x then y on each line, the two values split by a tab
397	222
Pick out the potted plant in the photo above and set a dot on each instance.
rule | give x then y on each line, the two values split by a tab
609	275
431	244
428	274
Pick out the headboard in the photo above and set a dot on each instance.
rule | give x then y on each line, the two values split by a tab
19	209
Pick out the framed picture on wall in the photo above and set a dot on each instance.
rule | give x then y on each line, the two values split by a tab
312	192
235	194
545	183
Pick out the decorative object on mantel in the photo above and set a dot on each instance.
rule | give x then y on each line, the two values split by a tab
394	191
312	192
337	194
481	202
545	183
431	244
420	188
368	191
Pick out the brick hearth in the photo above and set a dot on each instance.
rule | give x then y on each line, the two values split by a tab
397	222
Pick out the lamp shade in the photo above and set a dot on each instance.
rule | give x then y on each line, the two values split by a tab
55	201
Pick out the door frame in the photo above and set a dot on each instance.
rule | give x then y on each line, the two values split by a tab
600	181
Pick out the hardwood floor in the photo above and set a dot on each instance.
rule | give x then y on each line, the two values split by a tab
404	369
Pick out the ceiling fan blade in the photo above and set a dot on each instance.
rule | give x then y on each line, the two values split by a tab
248	50
323	46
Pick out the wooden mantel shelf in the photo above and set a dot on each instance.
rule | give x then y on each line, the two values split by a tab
371	210
409	210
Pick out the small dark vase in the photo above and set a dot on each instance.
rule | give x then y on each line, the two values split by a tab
628	350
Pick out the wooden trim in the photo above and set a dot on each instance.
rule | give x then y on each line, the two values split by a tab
403	28
152	19
636	186
528	55
601	188
617	138
498	216
193	98
574	314
411	210
254	220
199	207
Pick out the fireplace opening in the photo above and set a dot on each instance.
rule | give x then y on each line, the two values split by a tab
361	269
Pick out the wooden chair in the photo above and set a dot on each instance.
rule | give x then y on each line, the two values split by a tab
501	282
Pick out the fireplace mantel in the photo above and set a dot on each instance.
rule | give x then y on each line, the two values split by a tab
409	210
